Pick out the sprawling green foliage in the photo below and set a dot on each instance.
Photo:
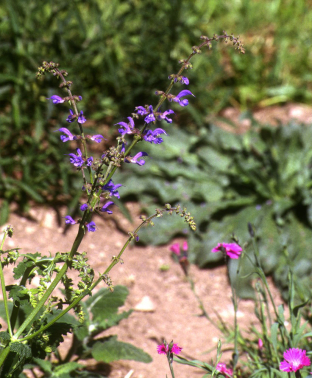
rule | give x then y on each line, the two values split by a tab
122	55
101	313
226	180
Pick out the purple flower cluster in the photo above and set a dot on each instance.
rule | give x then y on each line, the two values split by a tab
152	135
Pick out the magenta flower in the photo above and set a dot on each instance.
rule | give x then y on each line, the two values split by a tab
260	344
165	349
233	250
295	359
221	367
175	248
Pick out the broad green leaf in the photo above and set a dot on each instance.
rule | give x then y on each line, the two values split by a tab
110	349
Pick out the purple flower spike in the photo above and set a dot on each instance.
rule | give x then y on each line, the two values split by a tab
69	220
134	159
81	118
164	116
56	99
112	189
97	138
71	116
84	207
91	227
151	136
77	160
128	127
183	93
69	136
105	208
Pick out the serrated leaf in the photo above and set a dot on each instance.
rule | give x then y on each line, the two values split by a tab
104	304
22	350
45	365
110	349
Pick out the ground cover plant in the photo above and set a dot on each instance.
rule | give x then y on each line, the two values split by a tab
262	176
37	317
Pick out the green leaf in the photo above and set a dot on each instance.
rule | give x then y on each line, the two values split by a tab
274	330
45	365
66	368
104	304
110	350
22	350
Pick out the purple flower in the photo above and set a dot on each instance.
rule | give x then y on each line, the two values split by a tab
97	138
164	116
140	110
134	159
183	80
89	161
295	359
233	250
151	136
69	136
77	160
91	227
183	93
81	118
112	189
105	208
84	207
150	115
71	116
128	127
69	220
56	99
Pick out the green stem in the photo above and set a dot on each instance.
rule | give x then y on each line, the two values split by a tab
50	289
4	354
4	294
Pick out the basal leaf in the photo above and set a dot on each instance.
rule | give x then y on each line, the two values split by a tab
110	349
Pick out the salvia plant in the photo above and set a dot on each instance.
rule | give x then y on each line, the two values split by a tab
38	317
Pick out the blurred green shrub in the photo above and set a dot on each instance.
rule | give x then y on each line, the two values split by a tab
225	180
123	51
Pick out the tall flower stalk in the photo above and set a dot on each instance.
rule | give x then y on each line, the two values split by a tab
99	190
